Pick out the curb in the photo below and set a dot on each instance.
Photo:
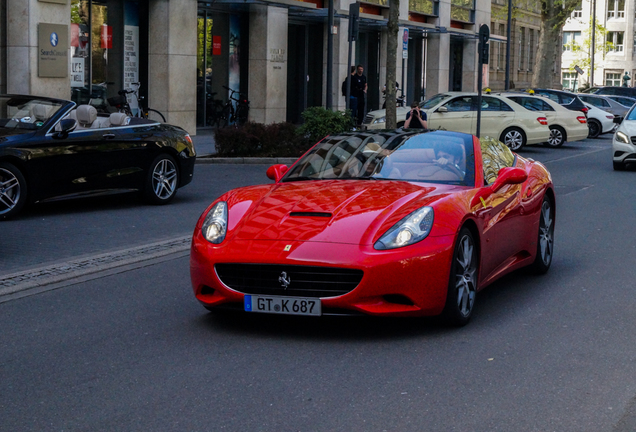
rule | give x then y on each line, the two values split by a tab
245	160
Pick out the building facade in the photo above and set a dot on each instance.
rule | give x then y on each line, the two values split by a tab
613	53
187	53
524	34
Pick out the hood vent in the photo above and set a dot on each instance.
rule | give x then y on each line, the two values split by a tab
310	214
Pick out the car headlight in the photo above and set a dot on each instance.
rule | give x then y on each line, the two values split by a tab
413	228
380	120
215	223
621	137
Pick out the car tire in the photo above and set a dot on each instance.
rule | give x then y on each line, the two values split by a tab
557	136
162	180
462	283
545	240
595	128
13	190
619	166
514	138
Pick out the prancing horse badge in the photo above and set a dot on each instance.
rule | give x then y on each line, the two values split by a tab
287	248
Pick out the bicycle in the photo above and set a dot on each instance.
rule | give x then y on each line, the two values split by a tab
214	110
232	115
128	100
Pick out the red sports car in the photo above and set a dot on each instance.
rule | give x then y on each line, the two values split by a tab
396	223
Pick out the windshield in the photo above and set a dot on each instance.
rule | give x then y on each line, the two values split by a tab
25	114
631	115
434	157
432	102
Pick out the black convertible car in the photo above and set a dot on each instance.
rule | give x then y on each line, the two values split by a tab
52	149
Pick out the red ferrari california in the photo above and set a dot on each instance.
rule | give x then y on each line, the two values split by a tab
396	223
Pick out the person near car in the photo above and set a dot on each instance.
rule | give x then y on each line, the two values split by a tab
353	100
626	79
359	84
415	118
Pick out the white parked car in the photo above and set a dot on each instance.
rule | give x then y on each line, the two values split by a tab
624	140
599	121
501	118
565	125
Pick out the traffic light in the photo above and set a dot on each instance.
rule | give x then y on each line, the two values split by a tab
354	20
483	48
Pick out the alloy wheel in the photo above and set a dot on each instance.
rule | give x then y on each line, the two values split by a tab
465	276
9	191
546	233
595	129
556	137
513	139
164	179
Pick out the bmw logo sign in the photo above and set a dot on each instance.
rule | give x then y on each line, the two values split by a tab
54	39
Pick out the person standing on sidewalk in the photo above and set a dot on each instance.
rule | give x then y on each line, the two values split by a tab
353	100
359	84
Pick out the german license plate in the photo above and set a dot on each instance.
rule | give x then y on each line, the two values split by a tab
282	305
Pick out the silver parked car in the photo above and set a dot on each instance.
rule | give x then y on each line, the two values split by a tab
606	104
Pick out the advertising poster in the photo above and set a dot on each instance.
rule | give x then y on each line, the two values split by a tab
131	44
77	72
235	46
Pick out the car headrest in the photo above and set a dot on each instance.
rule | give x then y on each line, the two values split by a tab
119	119
86	115
425	155
40	112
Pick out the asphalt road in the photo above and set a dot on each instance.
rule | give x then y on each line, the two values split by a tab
133	351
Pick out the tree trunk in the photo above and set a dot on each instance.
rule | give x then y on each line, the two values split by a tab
391	63
552	19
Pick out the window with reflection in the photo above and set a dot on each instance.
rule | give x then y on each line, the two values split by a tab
426	7
463	10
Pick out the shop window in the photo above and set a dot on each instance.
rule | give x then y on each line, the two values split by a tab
522	42
612	79
105	50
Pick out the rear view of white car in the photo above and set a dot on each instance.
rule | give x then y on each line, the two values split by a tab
599	121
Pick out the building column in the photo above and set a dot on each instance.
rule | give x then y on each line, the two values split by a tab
21	51
267	83
172	61
437	64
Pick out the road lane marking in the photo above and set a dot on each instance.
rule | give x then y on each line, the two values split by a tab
76	268
575	156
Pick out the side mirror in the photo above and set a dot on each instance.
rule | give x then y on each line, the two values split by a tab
64	127
509	175
442	109
276	172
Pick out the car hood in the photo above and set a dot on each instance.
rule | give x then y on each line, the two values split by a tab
334	211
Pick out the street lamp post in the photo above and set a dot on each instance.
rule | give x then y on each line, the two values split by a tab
593	41
508	43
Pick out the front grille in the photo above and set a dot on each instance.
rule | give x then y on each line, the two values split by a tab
304	281
368	119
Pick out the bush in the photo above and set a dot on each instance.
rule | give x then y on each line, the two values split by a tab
320	122
259	140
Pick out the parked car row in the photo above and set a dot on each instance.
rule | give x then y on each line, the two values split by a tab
515	118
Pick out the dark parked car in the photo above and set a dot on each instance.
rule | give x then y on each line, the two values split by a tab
563	98
617	91
52	149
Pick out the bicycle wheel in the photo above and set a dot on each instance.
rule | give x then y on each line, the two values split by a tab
241	114
155	115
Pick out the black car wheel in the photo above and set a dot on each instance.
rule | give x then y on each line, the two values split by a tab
462	284
594	127
162	180
545	241
557	136
13	190
514	138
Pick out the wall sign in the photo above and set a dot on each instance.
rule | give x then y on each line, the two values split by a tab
64	2
216	45
77	72
52	50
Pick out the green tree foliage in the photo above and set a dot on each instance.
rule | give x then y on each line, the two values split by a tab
320	122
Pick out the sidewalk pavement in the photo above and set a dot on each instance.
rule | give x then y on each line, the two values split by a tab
204	142
204	145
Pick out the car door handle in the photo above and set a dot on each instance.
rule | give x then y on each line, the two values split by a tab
108	136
